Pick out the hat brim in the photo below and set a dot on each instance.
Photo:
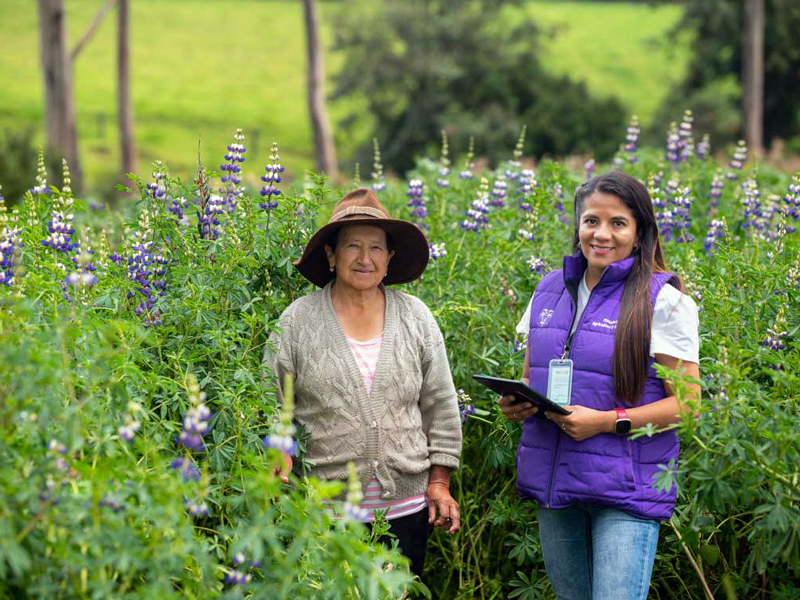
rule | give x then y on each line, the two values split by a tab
411	252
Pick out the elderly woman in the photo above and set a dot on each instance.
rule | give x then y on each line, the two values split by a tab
372	379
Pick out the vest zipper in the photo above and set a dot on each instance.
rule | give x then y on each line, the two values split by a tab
565	354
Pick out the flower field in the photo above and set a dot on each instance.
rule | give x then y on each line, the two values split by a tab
139	434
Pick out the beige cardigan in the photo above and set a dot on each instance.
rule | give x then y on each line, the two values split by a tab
411	419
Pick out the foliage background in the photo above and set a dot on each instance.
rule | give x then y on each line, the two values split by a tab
75	371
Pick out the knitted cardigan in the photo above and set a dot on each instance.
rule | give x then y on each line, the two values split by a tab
409	422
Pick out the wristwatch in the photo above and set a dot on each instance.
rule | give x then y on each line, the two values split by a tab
623	424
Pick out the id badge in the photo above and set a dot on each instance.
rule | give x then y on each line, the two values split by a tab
559	381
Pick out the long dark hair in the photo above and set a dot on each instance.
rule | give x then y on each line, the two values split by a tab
632	339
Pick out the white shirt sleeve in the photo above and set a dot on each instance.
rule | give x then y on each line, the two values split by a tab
524	325
675	326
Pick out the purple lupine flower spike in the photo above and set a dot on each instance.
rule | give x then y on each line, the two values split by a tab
271	179
231	168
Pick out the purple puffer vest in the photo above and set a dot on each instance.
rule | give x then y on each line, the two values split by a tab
606	469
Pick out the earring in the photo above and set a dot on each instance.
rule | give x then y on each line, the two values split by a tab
332	268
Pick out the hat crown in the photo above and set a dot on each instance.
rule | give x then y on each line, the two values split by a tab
359	203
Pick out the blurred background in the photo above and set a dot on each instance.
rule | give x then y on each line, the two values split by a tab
115	84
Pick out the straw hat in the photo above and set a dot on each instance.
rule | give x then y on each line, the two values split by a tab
361	207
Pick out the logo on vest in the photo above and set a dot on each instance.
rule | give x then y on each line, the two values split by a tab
605	324
545	316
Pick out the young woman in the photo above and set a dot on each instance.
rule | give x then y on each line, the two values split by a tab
613	310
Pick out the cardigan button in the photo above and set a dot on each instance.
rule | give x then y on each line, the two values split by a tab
386	494
374	424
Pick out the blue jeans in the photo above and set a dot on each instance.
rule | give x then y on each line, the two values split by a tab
597	553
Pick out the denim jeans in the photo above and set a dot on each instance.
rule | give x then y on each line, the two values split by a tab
597	553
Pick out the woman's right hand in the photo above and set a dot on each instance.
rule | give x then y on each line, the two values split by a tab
516	412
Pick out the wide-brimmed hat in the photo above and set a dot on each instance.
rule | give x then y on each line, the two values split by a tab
361	207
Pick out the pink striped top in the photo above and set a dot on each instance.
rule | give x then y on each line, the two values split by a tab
366	355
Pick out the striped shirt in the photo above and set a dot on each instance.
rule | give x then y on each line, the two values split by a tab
366	355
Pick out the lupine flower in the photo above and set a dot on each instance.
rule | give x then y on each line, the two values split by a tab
235	155
271	179
520	345
478	209
147	269
196	509
60	230
776	333
177	208
238	578
467	173
111	502
716	231
444	163
655	192
499	192
704	147
417	200
588	168
41	178
238	559
537	265
525	186
208	223
465	406
158	188
10	246
558	192
526	234
437	251
97	205
354	496
128	431
685	136
195	423
738	160
793	276
56	447
357	176
282	439
186	467
632	137
514	165
673	151
84	274
378	180
682	220
751	203
716	188
792	199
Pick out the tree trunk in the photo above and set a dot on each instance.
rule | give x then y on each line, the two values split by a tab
753	75
124	109
57	73
323	138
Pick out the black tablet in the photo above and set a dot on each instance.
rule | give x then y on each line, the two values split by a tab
521	392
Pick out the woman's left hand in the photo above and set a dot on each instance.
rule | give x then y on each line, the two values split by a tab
582	423
442	509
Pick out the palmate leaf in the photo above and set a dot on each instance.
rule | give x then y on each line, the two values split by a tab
527	587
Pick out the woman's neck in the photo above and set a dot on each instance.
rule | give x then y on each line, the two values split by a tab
360	312
352	299
592	277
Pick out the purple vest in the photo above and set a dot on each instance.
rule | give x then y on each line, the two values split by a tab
606	469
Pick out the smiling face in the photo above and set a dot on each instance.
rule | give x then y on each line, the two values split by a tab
607	232
361	257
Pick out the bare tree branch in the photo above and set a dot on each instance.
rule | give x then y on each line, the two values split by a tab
98	19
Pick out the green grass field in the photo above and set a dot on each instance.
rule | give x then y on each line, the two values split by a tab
205	67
